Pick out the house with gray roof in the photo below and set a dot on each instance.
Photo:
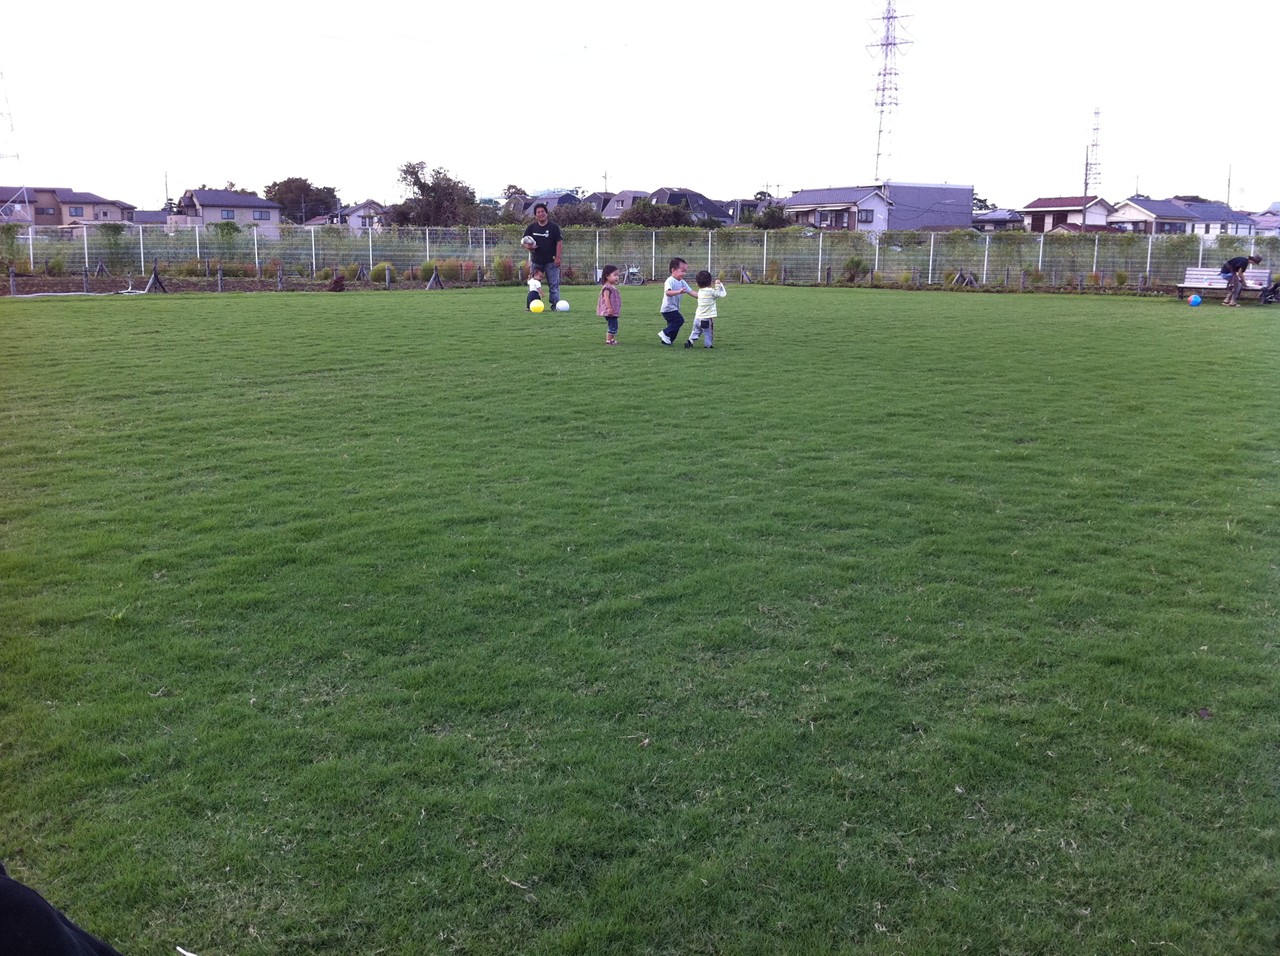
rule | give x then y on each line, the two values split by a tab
997	220
699	206
1151	216
621	202
852	208
929	207
1217	218
59	206
890	205
203	208
1267	223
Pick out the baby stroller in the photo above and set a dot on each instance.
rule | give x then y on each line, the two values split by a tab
1270	293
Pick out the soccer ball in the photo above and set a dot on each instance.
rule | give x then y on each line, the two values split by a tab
562	306
536	305
1194	300
529	242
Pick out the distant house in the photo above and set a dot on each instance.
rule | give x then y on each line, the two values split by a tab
204	208
997	220
1216	218
621	202
1075	228
852	208
17	205
890	205
1151	216
1267	223
80	207
150	217
929	207
598	201
744	210
358	219
58	206
699	206
522	206
1045	214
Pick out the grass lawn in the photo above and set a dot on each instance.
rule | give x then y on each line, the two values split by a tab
412	623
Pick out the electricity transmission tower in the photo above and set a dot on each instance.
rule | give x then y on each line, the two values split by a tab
887	86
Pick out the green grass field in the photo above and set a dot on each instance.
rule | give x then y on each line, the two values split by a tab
411	623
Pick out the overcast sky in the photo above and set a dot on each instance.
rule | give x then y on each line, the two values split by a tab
999	95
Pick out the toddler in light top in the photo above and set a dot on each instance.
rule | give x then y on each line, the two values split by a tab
704	319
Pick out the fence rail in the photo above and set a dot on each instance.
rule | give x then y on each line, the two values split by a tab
493	254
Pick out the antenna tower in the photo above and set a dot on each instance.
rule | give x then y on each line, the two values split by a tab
6	118
887	86
1092	167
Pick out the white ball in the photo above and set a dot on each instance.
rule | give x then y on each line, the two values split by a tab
562	306
528	242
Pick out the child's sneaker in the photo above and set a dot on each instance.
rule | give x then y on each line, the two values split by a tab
664	338
688	344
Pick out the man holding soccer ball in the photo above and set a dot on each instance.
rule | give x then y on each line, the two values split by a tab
542	239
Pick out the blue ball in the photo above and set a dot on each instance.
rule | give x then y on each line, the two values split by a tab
1194	301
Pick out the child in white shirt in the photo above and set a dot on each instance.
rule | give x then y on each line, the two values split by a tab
704	319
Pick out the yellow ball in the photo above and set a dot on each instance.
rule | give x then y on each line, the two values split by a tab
535	305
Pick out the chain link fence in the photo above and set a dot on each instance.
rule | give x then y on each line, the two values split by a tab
493	254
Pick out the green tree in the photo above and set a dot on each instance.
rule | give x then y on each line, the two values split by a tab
512	191
771	216
655	215
112	234
300	201
579	214
438	201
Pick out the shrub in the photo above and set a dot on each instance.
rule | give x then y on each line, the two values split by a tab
350	272
325	274
467	270
504	269
854	266
425	270
1122	278
450	270
55	267
382	272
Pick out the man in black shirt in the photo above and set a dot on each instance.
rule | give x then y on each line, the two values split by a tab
1233	271
547	249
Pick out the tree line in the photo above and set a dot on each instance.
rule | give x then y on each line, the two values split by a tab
435	198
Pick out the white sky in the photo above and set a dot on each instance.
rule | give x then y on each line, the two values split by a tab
999	95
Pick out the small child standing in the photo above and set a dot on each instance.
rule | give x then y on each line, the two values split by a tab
704	319
610	303
674	287
535	287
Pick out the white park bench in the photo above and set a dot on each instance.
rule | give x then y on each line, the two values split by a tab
1210	280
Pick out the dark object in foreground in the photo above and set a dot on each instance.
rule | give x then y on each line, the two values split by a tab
30	926
337	284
